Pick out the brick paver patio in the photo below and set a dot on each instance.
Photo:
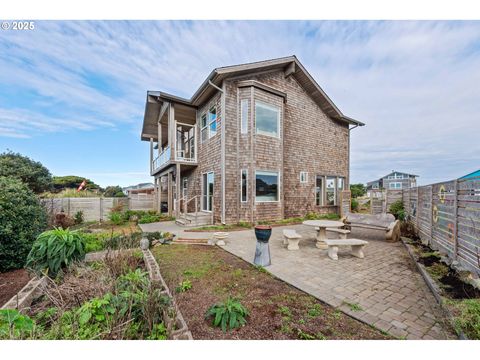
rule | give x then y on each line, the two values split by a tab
384	289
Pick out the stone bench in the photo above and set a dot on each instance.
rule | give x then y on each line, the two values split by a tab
291	239
356	245
341	232
383	226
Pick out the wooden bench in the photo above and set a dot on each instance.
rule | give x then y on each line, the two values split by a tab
291	239
381	225
355	244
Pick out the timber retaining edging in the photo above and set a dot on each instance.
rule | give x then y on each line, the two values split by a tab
433	288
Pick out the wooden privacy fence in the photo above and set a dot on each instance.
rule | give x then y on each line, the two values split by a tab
93	208
447	217
381	203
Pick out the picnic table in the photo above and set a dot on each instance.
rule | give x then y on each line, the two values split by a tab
322	226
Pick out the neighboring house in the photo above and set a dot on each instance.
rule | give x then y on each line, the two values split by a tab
394	181
143	188
257	141
475	174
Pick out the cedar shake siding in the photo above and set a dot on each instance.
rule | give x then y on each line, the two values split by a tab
312	137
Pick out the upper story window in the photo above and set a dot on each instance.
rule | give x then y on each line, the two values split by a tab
203	123
395	185
303	177
375	186
267	119
244	116
212	121
208	124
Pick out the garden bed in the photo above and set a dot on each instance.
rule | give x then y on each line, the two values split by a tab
459	299
203	276
11	283
116	297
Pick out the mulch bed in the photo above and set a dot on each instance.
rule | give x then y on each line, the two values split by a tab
277	310
11	283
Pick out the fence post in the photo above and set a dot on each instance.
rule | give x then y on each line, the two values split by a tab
68	206
431	215
455	215
417	206
100	206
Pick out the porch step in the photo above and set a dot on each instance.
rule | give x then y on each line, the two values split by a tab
191	221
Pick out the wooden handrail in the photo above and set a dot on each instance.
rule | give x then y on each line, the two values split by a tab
185	207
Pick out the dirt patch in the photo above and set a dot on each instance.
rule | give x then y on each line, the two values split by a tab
11	283
277	310
456	288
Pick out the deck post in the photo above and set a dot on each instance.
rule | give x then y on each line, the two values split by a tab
177	189
169	194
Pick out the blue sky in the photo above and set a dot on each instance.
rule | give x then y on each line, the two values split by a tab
72	94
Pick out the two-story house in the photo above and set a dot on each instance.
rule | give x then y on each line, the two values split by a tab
396	180
257	141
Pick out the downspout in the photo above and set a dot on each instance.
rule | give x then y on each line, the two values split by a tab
349	130
222	144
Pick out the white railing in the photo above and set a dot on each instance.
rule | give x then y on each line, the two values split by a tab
180	156
162	159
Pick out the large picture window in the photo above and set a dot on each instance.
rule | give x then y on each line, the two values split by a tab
266	186
244	116
267	119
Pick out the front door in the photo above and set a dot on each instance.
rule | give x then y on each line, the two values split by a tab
207	191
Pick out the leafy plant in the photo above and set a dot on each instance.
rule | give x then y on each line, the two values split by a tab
354	204
54	249
22	218
185	285
353	306
159	332
305	336
357	190
315	310
78	217
397	210
14	325
116	217
98	309
230	314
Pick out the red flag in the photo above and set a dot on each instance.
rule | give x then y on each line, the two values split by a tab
82	185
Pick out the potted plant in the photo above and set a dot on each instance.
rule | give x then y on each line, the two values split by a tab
263	233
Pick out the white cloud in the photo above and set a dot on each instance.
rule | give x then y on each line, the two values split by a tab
413	83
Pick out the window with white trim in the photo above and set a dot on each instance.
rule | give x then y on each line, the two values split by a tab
395	185
267	119
303	177
244	116
212	121
243	185
319	190
266	186
204	128
331	191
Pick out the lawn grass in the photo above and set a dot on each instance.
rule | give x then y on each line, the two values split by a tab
277	310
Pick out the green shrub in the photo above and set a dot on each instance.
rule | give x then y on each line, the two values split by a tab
32	173
117	218
54	249
397	210
230	314
78	217
22	218
354	204
94	242
149	218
